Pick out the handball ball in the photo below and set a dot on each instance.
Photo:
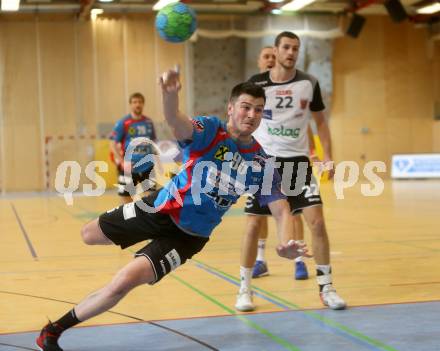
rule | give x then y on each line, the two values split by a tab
176	22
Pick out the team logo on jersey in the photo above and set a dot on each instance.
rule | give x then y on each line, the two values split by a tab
288	132
221	152
267	114
132	131
303	103
284	92
197	125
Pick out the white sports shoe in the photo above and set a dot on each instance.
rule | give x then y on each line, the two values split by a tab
244	301
330	298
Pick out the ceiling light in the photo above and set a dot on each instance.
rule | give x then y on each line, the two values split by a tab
427	10
162	3
95	12
295	5
10	5
276	1
105	0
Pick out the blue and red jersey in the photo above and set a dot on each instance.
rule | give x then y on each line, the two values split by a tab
216	171
128	128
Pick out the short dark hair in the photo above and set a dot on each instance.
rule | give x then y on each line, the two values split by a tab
285	35
248	88
136	96
266	47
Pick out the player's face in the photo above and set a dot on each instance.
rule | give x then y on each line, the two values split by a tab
286	52
266	60
245	114
136	106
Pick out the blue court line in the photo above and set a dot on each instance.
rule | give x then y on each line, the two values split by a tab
279	340
279	304
327	324
26	237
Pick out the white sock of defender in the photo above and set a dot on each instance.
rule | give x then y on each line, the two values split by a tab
323	275
245	278
261	250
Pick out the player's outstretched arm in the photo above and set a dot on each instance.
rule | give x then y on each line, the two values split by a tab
179	122
287	248
324	135
281	213
116	149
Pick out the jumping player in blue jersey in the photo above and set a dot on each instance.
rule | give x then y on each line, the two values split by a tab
221	161
131	126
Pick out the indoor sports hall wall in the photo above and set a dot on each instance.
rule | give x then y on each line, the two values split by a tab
62	77
436	75
386	84
218	65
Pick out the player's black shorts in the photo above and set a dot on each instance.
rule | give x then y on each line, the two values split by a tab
170	247
136	178
298	184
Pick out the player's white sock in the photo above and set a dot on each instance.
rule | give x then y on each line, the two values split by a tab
323	275
261	250
245	278
324	268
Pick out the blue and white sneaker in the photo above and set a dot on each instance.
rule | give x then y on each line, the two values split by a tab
301	271
260	269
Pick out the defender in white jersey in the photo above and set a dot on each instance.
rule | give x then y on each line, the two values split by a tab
283	129
292	98
266	61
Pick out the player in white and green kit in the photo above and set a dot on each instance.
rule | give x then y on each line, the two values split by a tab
292	98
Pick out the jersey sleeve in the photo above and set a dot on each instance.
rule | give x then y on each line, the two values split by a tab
259	78
275	191
153	132
153	136
117	133
253	79
317	104
204	131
